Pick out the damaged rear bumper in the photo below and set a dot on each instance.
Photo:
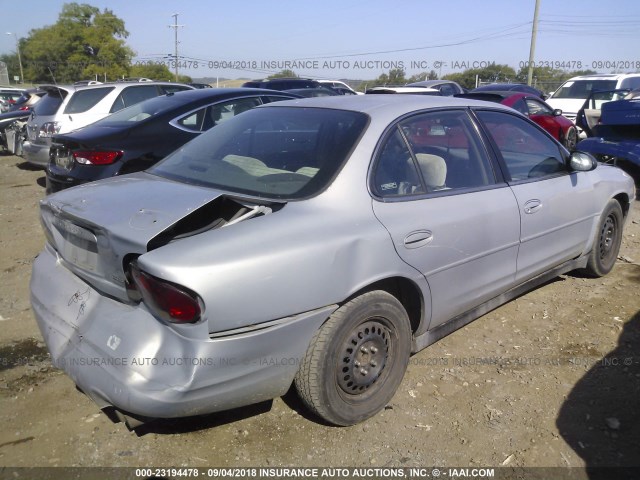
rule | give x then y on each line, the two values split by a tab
121	356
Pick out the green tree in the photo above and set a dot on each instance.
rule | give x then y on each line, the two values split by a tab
284	74
492	73
420	77
394	77
82	44
157	71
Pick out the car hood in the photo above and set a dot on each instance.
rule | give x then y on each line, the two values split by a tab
97	228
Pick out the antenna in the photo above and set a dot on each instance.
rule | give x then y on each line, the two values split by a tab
175	27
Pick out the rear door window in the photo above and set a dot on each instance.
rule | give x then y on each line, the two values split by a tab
83	100
134	94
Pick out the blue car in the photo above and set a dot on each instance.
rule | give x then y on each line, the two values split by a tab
611	120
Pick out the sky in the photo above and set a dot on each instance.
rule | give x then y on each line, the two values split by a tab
359	39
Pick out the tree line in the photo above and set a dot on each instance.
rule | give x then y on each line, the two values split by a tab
85	43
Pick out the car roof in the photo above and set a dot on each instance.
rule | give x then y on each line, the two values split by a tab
404	89
394	105
428	83
604	76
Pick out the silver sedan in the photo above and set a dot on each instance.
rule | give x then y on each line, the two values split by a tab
316	242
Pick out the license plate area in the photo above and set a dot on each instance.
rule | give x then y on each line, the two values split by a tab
79	245
63	158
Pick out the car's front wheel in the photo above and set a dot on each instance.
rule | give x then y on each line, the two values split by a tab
356	360
606	243
571	139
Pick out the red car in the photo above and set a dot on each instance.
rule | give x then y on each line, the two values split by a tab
561	128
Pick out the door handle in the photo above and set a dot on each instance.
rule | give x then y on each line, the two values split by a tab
418	239
532	206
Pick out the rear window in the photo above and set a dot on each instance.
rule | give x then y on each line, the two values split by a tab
140	111
83	100
279	152
50	103
582	88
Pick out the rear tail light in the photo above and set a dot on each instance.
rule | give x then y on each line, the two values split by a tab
169	301
24	108
94	157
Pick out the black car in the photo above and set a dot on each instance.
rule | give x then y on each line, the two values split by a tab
509	87
137	137
283	83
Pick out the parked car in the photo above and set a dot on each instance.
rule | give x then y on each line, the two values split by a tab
67	108
447	88
313	92
283	83
339	86
611	119
199	85
139	136
27	100
314	242
403	89
8	97
12	122
589	117
509	87
571	95
560	127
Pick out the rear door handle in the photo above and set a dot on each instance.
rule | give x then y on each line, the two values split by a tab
532	206
418	239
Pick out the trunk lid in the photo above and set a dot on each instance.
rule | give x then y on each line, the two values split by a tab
99	227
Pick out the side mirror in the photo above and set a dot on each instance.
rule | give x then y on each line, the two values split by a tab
557	112
582	162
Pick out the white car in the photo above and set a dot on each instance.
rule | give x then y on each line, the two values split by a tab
571	95
339	86
67	108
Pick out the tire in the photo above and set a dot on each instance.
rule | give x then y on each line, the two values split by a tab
356	360
570	139
606	243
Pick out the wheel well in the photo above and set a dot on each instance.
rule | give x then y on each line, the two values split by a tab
623	200
405	291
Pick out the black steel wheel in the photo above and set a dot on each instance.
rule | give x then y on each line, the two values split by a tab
356	360
606	243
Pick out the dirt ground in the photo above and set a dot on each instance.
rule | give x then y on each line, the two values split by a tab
550	379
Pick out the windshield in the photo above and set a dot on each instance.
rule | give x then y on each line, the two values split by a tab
273	152
582	88
140	111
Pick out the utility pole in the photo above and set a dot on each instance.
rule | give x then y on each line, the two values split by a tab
19	57
175	28
532	50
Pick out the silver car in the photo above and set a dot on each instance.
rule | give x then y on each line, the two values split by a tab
316	242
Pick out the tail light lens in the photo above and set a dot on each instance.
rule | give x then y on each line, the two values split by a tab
95	157
170	302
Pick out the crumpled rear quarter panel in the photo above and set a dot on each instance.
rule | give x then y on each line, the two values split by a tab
121	355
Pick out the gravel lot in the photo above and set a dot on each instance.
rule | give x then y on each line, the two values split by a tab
550	379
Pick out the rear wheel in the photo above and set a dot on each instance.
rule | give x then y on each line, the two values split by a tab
606	244
356	360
